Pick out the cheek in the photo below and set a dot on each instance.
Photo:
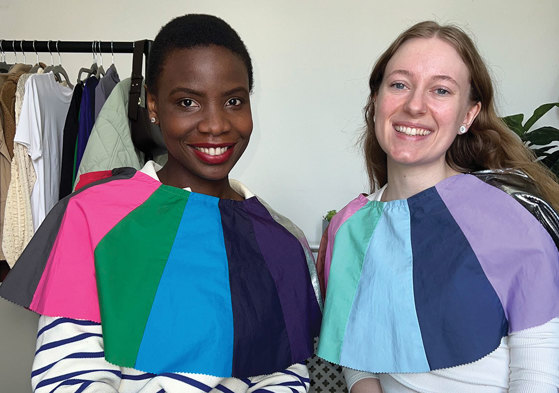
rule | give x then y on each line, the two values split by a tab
244	124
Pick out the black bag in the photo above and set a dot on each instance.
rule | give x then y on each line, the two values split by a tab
146	136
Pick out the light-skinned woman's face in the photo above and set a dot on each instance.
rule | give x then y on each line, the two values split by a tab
202	105
422	101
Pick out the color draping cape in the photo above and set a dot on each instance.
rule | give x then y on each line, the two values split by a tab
436	280
180	281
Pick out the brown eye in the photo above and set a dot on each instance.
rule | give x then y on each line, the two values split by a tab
234	102
186	103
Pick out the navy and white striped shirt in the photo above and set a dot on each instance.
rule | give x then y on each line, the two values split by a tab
70	358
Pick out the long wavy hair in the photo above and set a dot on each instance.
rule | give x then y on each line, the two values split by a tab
488	144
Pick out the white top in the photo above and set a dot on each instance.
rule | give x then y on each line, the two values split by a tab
525	362
41	124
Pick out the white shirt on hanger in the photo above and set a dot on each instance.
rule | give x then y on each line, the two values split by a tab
40	129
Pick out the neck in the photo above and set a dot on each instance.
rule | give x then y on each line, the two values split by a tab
175	177
406	181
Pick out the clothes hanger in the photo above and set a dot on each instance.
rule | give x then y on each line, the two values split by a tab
113	66
15	54
59	70
22	51
37	65
89	71
51	66
100	70
4	67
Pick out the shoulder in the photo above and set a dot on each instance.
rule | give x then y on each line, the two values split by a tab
520	187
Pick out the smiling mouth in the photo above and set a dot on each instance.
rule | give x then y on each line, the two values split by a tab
212	151
412	131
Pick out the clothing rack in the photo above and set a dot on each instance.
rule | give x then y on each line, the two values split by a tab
50	46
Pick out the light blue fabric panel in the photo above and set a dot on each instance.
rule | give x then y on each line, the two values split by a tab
197	312
377	338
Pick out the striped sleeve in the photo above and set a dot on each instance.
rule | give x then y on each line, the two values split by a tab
70	359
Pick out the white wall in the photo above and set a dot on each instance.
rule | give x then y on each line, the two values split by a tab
312	61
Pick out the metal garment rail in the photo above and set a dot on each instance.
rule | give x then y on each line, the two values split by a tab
50	46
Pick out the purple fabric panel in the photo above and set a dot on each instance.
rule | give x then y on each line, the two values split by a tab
283	254
516	253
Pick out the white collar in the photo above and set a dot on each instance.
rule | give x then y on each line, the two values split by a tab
151	168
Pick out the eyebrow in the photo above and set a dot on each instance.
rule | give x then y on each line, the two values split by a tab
187	90
435	77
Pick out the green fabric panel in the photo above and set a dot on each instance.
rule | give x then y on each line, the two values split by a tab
129	262
350	246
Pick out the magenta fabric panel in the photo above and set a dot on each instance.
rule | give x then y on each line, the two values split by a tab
58	292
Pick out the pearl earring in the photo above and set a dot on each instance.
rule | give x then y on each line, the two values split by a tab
462	129
152	120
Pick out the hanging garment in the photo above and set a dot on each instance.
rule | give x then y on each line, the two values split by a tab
71	125
105	87
110	143
18	219
87	117
4	182
7	103
162	255
436	280
7	129
43	113
20	91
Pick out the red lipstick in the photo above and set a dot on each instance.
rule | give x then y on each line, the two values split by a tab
204	153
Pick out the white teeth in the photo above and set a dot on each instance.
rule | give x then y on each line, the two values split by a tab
412	131
212	151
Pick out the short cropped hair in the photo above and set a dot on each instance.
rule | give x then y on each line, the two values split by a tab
189	31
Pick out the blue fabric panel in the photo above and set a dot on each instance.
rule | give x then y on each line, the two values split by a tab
466	321
377	338
253	292
197	311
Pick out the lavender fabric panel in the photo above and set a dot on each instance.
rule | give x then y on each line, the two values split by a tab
283	253
516	253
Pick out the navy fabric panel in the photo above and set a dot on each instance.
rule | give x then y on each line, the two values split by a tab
21	283
261	344
460	315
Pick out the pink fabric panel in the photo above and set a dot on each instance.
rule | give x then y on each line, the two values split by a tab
335	224
67	286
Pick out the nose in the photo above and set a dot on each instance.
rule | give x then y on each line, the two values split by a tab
214	121
415	104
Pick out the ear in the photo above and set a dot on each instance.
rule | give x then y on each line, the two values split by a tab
472	114
152	105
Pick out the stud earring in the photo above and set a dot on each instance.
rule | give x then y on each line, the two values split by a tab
152	120
462	129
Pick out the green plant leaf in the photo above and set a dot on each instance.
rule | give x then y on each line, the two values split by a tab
551	160
555	167
538	113
329	215
542	151
514	122
542	136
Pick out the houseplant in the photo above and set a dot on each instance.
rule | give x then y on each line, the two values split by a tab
544	141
